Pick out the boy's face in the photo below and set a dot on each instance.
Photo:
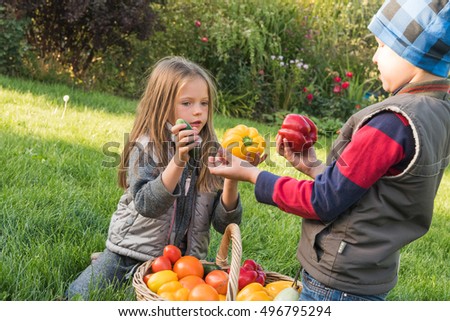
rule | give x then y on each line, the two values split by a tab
394	70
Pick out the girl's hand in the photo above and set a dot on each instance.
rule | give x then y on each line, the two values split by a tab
305	161
185	140
229	166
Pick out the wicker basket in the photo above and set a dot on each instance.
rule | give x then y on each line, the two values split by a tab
233	234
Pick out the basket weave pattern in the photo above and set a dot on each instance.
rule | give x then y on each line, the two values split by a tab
231	236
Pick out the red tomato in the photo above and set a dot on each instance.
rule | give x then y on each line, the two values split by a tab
146	277
161	263
172	252
188	265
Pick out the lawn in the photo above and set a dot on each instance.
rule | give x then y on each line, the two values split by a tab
58	192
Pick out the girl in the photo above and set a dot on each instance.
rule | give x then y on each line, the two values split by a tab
170	197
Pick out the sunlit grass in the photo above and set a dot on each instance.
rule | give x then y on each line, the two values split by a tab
58	197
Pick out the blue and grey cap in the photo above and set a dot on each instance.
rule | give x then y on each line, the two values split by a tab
418	31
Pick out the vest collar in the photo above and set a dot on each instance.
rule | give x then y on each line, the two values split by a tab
437	88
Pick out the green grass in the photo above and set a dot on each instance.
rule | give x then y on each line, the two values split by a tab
57	199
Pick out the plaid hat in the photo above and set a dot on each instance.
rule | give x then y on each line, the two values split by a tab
418	31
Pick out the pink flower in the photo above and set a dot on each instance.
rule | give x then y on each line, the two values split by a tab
349	74
345	85
261	72
204	39
198	23
337	79
309	97
337	89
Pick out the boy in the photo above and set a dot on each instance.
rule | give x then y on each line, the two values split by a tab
377	191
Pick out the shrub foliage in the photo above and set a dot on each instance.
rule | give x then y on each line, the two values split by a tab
75	32
269	57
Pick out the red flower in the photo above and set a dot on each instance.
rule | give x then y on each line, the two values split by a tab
345	85
358	106
198	23
204	39
349	74
305	90
310	97
337	79
337	89
261	72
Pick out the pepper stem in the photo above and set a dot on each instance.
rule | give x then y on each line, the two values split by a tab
248	141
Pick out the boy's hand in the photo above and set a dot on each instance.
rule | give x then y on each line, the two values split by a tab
305	161
256	159
185	140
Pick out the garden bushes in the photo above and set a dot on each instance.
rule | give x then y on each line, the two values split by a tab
269	57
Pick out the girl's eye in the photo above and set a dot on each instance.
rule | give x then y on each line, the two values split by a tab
205	103
185	103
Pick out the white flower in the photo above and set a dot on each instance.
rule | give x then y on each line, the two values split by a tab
305	66
66	98
281	64
273	57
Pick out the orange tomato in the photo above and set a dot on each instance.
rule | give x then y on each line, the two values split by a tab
172	252
190	281
203	292
218	279
188	265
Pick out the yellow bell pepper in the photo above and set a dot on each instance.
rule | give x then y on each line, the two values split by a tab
241	140
253	292
276	287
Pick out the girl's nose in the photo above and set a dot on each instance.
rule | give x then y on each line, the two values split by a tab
197	109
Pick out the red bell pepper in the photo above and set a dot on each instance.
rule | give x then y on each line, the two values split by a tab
251	272
299	130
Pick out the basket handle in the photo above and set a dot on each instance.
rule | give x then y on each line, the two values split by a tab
232	233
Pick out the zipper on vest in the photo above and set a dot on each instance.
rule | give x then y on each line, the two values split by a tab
342	247
172	221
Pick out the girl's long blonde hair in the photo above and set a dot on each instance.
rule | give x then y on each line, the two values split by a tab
157	107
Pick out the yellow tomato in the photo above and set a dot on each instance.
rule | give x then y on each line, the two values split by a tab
241	140
167	295
170	286
159	278
181	294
